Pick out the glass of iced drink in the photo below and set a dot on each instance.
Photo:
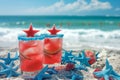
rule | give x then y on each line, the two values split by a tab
31	53
53	47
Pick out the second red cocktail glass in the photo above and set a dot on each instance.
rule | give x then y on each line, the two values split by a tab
52	49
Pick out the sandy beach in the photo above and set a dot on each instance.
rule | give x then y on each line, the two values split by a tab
112	55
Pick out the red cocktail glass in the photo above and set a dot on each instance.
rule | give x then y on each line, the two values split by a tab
53	49
31	55
53	46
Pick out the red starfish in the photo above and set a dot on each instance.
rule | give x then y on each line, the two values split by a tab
30	32
54	31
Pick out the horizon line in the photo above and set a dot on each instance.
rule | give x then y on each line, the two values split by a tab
67	15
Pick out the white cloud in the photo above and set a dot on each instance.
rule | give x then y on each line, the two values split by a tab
76	6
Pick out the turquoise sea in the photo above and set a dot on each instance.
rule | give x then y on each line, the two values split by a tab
101	31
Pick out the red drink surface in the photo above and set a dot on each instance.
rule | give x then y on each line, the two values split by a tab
31	55
52	50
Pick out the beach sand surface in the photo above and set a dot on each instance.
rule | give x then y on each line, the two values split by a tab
111	54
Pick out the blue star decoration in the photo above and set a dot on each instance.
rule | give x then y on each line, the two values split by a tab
8	60
97	53
42	75
68	57
52	70
69	53
76	77
83	59
107	72
80	67
9	70
79	55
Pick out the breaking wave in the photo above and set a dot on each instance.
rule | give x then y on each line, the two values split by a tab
93	37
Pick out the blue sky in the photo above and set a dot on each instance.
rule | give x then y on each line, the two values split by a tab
60	7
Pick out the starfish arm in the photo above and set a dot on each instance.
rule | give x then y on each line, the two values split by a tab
73	77
16	57
51	70
7	62
41	73
3	65
84	56
71	51
103	73
107	64
8	75
97	55
115	74
15	74
106	77
8	55
87	64
46	76
4	71
82	67
88	59
116	77
38	78
83	53
11	64
16	68
70	57
108	71
2	58
99	73
79	55
85	61
78	59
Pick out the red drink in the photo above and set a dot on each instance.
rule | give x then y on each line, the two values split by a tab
53	49
31	55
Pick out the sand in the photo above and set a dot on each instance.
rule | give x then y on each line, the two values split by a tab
111	54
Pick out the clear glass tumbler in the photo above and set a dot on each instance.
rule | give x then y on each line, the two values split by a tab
31	55
52	48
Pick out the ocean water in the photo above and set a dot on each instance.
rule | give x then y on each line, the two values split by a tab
95	31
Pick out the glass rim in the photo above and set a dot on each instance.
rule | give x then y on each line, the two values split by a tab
36	37
54	36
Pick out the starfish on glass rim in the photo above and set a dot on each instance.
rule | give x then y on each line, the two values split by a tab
8	60
9	70
30	32
54	31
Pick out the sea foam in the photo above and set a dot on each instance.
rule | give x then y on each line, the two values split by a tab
76	37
